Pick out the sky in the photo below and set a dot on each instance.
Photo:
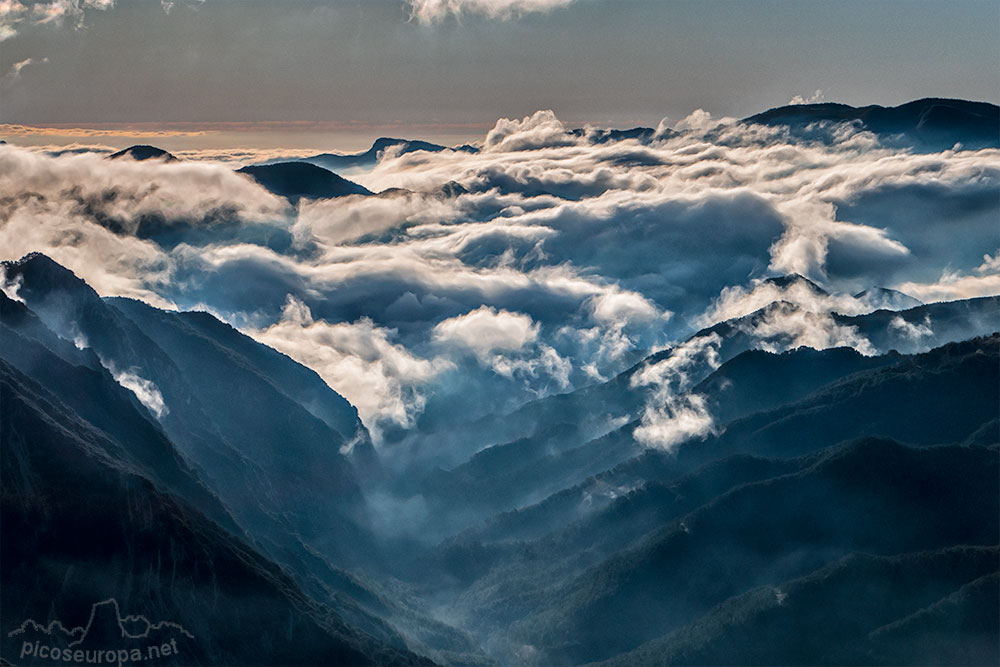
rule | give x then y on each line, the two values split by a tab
304	74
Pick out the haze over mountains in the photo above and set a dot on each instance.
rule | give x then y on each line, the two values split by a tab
719	393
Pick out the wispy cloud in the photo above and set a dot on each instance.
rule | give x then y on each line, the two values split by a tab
146	391
15	70
14	130
672	413
816	97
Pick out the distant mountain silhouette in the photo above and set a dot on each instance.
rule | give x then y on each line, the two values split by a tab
932	123
297	180
367	159
143	152
603	136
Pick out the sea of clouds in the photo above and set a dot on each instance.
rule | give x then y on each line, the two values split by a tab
548	260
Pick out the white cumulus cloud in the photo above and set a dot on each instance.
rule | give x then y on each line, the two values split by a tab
359	360
485	331
434	11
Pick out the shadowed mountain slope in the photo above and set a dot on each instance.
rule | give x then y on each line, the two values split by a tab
861	609
76	503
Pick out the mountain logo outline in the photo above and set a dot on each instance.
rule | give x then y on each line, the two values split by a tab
56	624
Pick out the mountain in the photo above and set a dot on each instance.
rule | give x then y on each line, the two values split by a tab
806	617
523	564
527	470
301	384
756	380
81	504
297	180
370	157
932	123
517	459
166	476
603	136
884	298
143	152
231	422
506	463
248	439
751	536
567	420
76	378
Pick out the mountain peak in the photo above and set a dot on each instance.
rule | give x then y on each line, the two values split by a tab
384	142
888	299
789	279
52	291
43	272
143	152
295	180
367	159
408	145
37	261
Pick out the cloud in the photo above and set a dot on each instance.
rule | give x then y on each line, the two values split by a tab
15	70
816	97
486	331
991	264
15	13
147	392
540	130
911	331
812	229
11	287
624	308
673	414
435	11
699	120
953	285
91	214
792	313
15	130
542	263
785	327
739	300
359	360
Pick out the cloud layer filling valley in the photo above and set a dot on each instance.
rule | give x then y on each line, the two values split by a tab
546	261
